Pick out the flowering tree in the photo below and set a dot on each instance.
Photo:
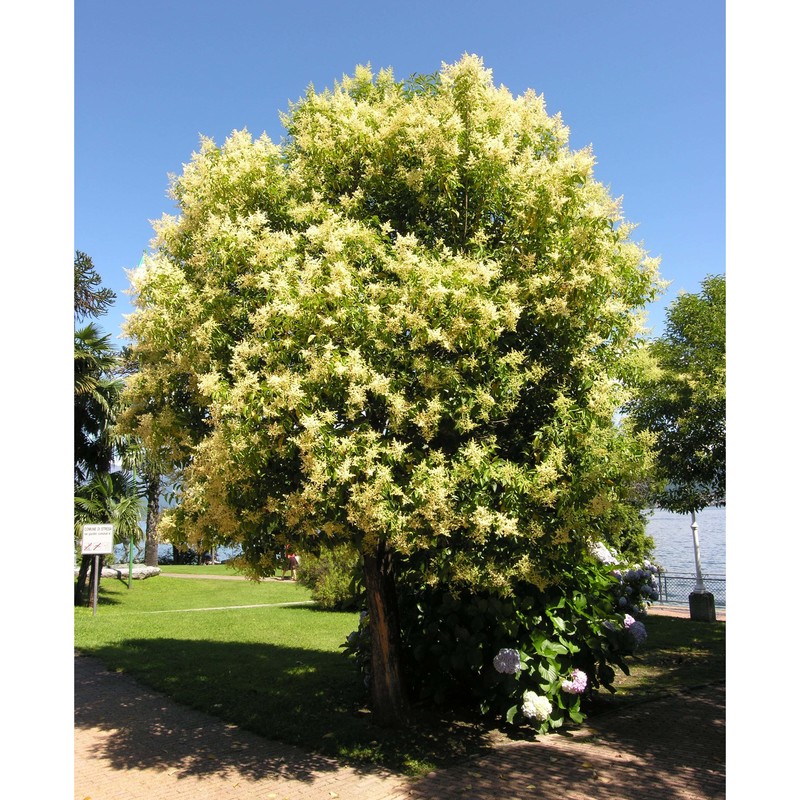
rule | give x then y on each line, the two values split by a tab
406	328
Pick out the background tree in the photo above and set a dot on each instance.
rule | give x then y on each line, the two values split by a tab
100	497
97	392
407	330
149	482
112	499
682	400
92	299
159	423
150	463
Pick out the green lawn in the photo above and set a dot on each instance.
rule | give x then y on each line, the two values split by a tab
203	569
679	654
221	570
235	649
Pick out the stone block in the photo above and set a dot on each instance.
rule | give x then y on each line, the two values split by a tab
701	607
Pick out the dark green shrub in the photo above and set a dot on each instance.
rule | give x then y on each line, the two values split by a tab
333	577
529	657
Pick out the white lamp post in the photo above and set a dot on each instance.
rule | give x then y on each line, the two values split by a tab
699	585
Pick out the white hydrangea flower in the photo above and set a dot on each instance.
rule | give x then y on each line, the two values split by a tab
536	707
602	553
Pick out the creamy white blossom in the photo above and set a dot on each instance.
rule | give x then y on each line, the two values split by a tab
408	323
536	706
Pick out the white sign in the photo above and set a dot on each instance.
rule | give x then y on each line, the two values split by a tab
97	540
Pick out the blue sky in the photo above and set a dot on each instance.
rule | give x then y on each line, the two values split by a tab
642	82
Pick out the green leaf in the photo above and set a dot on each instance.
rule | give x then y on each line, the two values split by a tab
576	715
547	672
558	623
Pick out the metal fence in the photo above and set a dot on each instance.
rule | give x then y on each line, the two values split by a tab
676	587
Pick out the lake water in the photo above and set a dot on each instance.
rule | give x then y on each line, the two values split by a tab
672	534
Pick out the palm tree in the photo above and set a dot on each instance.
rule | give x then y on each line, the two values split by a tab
150	478
97	394
108	498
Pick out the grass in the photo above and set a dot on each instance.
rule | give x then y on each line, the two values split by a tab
235	649
680	654
197	569
220	570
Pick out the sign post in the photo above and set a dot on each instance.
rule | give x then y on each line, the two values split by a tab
98	540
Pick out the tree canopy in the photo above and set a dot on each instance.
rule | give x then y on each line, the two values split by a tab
407	328
682	400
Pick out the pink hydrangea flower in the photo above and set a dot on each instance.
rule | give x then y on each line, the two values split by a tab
576	684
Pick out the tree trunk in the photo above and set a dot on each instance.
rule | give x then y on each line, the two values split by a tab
80	581
153	512
389	697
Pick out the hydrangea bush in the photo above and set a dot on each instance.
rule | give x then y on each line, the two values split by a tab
530	658
636	588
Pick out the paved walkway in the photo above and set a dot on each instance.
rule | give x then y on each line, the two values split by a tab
666	749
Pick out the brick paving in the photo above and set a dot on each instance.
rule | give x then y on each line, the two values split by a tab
671	748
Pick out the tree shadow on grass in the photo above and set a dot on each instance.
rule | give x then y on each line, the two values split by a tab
146	730
104	597
301	712
310	701
679	654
